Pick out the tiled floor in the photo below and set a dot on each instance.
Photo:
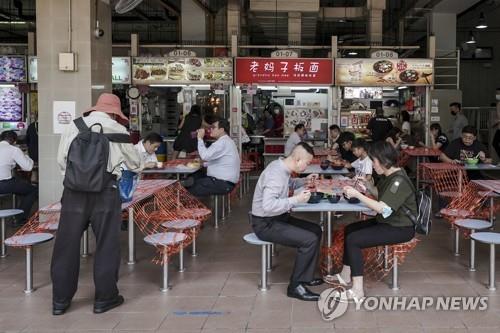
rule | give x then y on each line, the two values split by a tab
218	291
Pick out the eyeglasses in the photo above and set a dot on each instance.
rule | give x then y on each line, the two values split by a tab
468	137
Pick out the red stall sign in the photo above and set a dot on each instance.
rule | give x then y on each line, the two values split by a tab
284	71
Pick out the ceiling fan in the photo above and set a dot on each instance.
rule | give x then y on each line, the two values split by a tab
124	6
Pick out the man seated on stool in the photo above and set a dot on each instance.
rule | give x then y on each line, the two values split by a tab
223	163
272	222
11	155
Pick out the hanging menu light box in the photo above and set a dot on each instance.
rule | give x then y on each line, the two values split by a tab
120	70
182	70
12	69
32	69
383	72
284	71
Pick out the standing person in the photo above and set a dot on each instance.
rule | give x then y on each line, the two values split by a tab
394	196
405	125
334	136
10	156
459	121
279	121
379	125
189	124
223	163
294	138
272	222
363	166
268	124
147	149
32	141
101	209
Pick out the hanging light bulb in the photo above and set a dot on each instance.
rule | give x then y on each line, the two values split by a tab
481	24
471	39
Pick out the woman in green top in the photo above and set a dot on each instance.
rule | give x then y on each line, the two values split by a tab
390	226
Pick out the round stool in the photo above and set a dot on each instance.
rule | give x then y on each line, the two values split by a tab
5	213
28	241
491	238
472	225
165	239
180	226
266	258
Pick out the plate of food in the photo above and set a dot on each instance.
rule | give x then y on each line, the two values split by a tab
141	74
409	76
175	71
194	75
195	62
383	66
158	73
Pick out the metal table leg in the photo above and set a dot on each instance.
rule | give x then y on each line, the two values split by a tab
491	285
181	260
165	286
29	270
329	240
269	258
216	211
395	282
85	243
193	244
457	238
131	237
223	211
386	257
263	269
3	250
492	213
472	258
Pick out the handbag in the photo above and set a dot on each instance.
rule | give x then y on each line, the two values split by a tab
127	185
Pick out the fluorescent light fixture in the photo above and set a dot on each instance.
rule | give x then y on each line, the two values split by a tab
352	53
388	88
98	87
13	22
199	86
267	88
402	87
481	24
471	40
7	85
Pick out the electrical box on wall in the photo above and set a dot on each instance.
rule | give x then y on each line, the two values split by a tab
67	62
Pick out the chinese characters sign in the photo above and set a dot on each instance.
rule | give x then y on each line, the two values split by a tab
383	72
282	70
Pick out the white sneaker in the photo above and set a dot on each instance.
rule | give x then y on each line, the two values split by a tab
336	280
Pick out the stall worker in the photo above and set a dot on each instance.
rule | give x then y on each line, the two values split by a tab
10	156
459	121
185	141
147	149
268	123
379	125
272	222
334	136
223	163
102	210
294	138
363	166
395	199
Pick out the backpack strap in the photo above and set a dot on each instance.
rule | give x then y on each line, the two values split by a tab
407	210
118	137
80	124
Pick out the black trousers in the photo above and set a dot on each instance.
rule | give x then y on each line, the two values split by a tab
103	211
206	186
25	190
370	233
293	232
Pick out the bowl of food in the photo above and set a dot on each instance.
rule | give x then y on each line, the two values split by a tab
411	147
334	198
472	161
337	165
351	200
315	197
324	164
404	146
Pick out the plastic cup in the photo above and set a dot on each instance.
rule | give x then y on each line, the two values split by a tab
159	165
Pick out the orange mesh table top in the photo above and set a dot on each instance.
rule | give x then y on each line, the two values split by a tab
421	152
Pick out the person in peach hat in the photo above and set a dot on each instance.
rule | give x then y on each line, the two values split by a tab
99	207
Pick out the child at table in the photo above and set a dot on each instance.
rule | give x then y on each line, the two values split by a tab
363	166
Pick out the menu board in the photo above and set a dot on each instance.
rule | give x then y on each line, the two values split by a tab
12	69
11	104
120	70
284	71
295	115
182	70
384	72
32	69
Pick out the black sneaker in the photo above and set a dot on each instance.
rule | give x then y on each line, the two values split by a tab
103	306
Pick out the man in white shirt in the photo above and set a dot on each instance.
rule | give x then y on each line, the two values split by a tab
295	138
10	156
222	160
272	222
147	148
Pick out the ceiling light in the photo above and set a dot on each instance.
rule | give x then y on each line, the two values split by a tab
352	53
481	24
471	39
402	87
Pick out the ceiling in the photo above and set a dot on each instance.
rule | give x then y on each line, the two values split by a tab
157	21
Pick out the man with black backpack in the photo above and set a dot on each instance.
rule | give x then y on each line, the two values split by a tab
90	154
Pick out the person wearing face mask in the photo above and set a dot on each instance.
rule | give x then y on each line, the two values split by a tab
272	222
459	121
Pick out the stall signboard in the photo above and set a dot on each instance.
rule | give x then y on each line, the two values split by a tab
182	70
284	54
12	69
284	71
32	69
120	70
384	72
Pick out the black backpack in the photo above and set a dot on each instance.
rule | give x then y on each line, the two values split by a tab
423	220
88	158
